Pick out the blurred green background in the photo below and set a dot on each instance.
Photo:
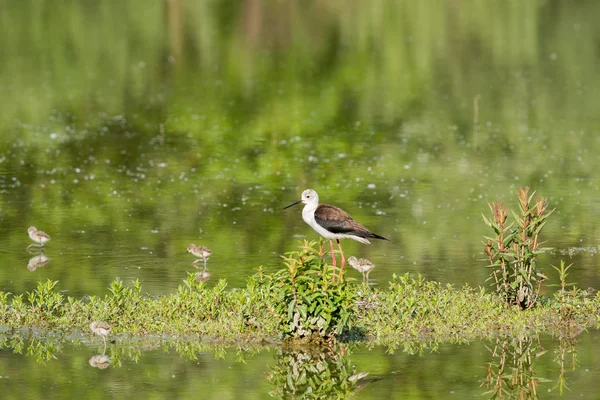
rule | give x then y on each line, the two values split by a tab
130	129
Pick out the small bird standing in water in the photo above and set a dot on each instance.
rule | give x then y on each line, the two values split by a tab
200	252
100	328
37	236
362	265
332	223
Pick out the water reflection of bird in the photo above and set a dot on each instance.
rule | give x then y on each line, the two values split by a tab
100	361
200	252
100	328
38	261
362	265
203	276
360	381
37	236
332	223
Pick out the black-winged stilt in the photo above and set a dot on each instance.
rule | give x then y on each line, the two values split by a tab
362	265
332	223
100	328
202	252
37	236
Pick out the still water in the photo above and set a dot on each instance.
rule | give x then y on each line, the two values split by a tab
80	369
204	136
129	130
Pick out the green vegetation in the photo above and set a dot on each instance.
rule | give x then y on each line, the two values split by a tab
512	252
410	308
311	297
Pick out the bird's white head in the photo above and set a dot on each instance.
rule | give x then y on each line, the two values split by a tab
309	196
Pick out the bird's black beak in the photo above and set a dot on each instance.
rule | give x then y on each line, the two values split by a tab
293	204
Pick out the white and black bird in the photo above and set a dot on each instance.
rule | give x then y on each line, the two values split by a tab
332	223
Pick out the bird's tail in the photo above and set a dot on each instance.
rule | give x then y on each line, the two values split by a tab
376	236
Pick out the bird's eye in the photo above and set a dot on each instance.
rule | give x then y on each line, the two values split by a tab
308	196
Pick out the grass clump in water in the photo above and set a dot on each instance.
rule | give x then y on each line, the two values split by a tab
300	302
309	300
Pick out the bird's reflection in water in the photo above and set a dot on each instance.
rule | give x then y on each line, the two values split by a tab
100	361
38	261
203	276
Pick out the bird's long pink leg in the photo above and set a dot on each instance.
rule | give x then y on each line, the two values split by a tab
343	259
332	253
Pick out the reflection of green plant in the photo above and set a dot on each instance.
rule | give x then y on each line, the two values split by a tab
307	298
312	375
566	346
510	373
512	252
42	350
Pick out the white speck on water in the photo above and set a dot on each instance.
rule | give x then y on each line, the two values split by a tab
371	186
553	56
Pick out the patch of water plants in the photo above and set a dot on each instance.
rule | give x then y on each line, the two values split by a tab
307	302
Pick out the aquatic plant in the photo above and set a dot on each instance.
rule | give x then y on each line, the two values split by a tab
308	299
512	251
44	299
300	301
